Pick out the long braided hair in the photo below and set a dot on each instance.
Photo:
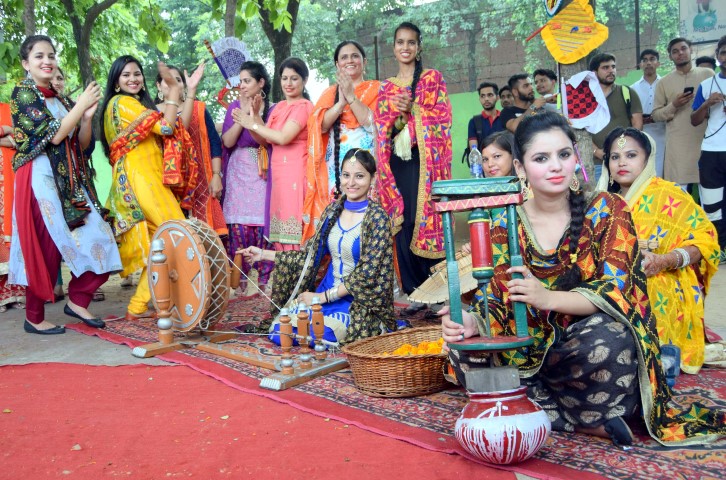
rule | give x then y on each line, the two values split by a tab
523	138
336	124
369	163
257	71
418	66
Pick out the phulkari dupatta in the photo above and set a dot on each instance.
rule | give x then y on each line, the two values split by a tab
430	126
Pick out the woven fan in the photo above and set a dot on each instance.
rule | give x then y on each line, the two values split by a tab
230	53
551	6
436	288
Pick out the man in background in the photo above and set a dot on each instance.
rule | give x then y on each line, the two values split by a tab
673	101
645	87
623	104
545	82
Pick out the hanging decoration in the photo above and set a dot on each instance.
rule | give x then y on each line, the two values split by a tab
573	32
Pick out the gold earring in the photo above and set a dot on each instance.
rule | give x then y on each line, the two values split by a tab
574	183
161	95
611	181
526	192
117	89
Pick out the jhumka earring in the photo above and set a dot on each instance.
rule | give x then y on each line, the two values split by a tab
611	181
574	183
526	192
161	95
117	89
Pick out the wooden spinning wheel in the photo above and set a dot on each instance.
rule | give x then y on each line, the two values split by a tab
189	279
198	274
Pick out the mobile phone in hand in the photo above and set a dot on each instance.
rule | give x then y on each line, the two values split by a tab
688	90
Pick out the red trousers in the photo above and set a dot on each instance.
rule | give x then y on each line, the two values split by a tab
80	289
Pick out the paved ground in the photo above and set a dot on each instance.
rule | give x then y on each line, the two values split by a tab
18	347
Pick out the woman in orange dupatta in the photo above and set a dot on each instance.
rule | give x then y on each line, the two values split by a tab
9	294
149	151
205	200
346	111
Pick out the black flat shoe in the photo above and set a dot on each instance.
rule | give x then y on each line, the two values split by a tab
30	328
91	322
619	431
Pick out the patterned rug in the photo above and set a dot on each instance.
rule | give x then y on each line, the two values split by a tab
428	421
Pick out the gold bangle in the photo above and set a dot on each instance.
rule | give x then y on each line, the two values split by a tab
171	102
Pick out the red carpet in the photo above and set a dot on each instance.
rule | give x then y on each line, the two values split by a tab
428	421
140	422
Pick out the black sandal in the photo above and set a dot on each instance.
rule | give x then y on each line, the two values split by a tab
619	431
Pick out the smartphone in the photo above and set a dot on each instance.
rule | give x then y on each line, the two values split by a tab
688	90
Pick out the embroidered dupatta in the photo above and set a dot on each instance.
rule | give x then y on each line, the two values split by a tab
430	125
180	166
319	193
608	256
34	126
370	283
203	205
667	216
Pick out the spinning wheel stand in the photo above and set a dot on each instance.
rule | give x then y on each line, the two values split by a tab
189	279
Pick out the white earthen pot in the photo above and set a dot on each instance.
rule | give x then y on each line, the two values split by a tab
502	427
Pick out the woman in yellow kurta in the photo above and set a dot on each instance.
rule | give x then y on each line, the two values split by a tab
136	138
680	248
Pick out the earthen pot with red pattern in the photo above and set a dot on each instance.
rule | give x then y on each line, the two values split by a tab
502	427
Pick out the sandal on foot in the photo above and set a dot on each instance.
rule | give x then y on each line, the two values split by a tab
138	316
619	431
414	308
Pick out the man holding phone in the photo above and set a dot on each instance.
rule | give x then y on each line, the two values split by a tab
672	105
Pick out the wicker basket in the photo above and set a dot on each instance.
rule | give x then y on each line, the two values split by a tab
397	376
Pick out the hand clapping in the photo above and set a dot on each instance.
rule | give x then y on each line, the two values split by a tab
345	85
90	97
403	102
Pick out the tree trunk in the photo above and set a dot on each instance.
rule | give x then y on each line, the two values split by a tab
29	17
281	41
472	38
82	35
230	13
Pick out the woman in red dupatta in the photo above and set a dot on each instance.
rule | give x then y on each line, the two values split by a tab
154	166
205	200
342	120
413	119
